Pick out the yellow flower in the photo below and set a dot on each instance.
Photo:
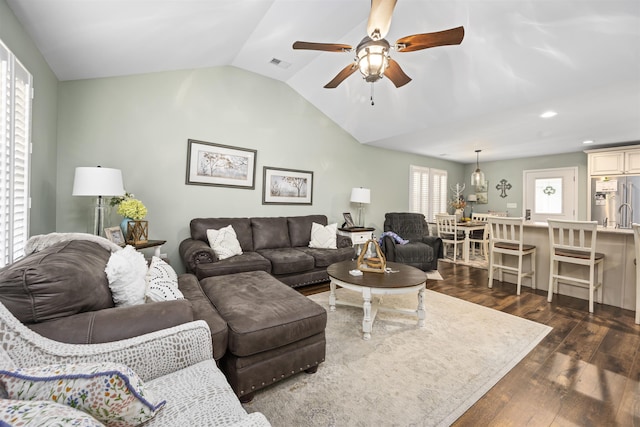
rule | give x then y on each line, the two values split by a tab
132	208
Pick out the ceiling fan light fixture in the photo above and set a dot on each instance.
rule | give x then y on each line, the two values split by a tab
372	58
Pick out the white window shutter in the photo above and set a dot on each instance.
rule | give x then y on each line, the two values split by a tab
15	142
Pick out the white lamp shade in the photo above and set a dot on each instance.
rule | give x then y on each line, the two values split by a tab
97	181
360	195
472	198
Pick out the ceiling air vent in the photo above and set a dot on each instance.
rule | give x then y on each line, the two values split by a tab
279	63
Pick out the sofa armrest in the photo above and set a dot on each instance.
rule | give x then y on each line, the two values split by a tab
114	324
194	252
343	241
150	355
436	243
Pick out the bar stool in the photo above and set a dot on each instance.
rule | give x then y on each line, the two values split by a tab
505	238
636	240
574	242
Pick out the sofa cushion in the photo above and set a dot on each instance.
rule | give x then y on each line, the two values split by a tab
242	227
61	280
204	310
126	271
43	413
326	257
263	313
288	260
323	236
300	228
162	282
270	233
248	261
110	392
224	242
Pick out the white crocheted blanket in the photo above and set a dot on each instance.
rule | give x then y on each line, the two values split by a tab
43	241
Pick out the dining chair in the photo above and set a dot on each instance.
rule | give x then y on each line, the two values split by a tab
636	240
574	242
480	237
447	227
506	238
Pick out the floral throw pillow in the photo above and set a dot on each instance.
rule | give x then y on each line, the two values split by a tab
110	392
323	237
224	242
43	414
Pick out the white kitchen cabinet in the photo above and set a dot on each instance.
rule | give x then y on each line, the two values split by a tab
614	161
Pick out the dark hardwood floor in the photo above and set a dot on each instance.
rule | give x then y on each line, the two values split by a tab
586	372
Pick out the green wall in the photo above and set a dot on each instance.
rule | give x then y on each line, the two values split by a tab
43	159
512	171
140	124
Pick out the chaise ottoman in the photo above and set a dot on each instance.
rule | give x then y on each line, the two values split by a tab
273	330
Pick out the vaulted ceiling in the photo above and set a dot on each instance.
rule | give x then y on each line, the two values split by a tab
518	59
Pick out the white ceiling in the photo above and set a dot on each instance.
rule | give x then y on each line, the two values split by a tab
518	59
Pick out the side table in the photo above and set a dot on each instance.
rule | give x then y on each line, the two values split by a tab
358	235
157	244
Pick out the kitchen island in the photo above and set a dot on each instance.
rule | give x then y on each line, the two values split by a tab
619	287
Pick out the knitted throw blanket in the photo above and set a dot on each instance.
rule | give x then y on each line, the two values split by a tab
43	241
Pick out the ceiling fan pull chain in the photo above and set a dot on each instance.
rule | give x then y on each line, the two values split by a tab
372	103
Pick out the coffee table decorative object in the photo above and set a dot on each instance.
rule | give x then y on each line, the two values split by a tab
375	264
397	279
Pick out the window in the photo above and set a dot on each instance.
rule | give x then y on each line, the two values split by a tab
15	143
427	191
551	193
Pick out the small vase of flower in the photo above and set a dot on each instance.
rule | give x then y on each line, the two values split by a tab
458	206
134	229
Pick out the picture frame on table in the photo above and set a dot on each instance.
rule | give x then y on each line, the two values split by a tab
114	234
348	220
220	165
286	186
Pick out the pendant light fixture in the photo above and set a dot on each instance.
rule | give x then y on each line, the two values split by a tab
477	177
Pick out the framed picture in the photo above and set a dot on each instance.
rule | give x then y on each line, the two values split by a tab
115	235
286	186
348	221
221	165
482	193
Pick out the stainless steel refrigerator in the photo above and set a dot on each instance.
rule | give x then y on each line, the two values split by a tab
615	202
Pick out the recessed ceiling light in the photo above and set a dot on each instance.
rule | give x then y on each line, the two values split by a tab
548	114
588	141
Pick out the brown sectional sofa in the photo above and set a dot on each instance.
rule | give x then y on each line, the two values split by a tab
276	245
261	329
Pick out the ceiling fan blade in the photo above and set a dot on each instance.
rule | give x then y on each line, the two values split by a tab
327	47
395	74
427	40
346	72
380	18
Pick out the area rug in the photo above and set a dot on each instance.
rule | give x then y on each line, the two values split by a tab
404	375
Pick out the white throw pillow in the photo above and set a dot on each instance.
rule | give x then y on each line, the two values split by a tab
323	237
126	271
162	282
224	242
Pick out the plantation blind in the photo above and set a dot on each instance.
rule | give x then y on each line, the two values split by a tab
15	142
427	191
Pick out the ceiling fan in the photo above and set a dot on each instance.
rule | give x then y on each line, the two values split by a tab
372	53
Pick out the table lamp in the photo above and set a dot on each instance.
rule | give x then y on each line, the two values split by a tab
98	182
471	198
361	196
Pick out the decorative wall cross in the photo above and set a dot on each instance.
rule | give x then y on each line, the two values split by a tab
503	186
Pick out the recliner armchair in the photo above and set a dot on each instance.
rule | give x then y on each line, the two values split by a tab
422	251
